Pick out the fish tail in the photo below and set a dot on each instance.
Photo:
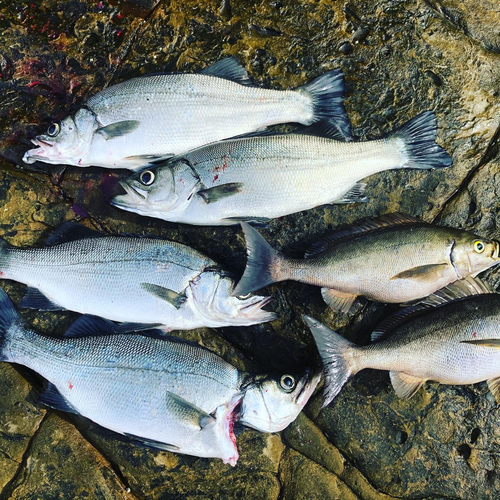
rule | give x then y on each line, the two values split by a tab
327	93
333	350
262	263
419	139
8	317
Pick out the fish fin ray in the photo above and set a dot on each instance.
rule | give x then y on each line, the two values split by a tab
327	92
338	301
229	69
355	195
261	258
118	129
150	443
426	273
494	387
88	325
332	349
170	296
150	160
420	147
260	222
189	412
483	342
8	317
331	129
213	194
52	398
360	227
35	299
405	385
70	231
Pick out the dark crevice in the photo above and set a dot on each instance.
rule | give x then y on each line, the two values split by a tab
7	456
12	485
490	153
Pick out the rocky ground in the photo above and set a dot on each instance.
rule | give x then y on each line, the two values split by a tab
399	58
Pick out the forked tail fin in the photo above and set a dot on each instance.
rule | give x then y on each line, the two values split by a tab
419	139
262	260
332	348
327	92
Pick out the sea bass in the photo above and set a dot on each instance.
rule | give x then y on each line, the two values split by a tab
129	279
161	391
150	118
453	337
393	258
262	177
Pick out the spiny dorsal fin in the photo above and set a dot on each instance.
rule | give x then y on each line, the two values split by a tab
458	290
70	231
360	227
229	69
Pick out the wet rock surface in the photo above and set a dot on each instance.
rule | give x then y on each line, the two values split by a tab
399	58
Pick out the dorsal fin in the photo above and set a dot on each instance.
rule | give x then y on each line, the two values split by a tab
363	226
70	231
229	69
329	128
458	290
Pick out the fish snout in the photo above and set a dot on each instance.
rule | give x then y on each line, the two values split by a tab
43	150
131	197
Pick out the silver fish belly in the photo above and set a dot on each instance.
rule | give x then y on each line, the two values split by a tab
149	118
260	178
129	280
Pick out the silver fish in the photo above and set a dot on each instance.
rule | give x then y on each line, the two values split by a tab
129	279
453	337
161	391
263	177
393	258
150	118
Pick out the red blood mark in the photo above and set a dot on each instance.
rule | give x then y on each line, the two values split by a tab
221	168
1	273
474	335
119	15
119	33
36	82
216	176
70	385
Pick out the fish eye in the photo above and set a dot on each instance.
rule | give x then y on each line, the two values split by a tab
287	383
479	246
147	178
243	297
54	129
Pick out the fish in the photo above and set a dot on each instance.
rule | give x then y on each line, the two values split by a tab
149	118
260	177
129	279
395	258
159	391
453	337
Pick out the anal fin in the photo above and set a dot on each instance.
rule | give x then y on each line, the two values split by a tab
151	443
338	301
52	398
494	387
405	385
355	195
35	299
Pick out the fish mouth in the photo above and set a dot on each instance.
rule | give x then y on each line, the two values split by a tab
254	310
132	196
310	381
231	415
44	150
496	250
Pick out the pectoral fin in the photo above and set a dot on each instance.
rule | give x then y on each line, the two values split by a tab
484	342
494	386
118	129
217	193
430	272
338	301
405	385
189	413
174	298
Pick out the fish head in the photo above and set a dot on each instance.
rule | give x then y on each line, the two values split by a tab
471	254
211	298
271	403
155	191
65	142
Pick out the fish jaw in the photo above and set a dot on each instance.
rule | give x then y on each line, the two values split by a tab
45	151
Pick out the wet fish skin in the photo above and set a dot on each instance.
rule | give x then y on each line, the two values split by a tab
154	117
264	177
450	342
394	258
129	279
164	392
